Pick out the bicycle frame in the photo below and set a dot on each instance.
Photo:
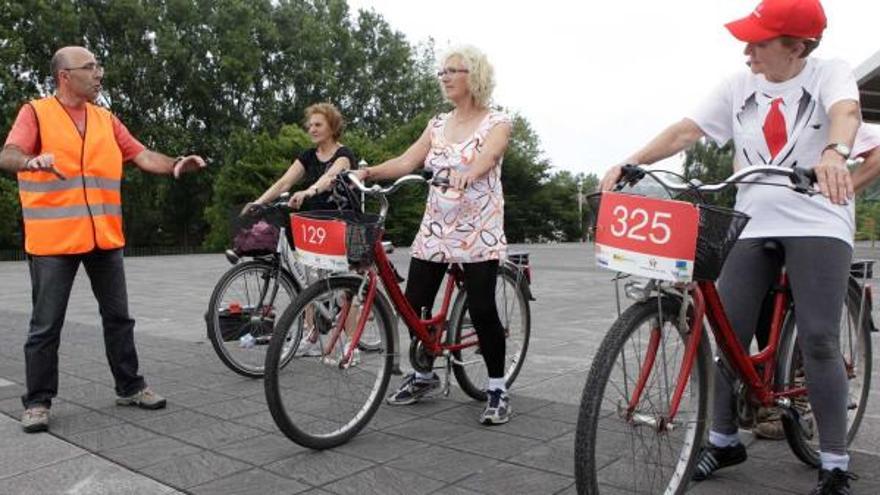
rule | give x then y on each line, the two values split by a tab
383	270
706	302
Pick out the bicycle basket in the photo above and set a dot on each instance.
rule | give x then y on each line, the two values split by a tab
256	232
719	228
362	230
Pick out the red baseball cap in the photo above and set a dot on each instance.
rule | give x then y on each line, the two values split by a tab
774	18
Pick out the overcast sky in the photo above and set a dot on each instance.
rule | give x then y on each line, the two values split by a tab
598	79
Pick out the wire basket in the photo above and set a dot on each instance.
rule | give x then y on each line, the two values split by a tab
362	231
718	231
256	232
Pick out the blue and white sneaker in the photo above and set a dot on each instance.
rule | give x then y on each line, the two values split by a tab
412	389
497	410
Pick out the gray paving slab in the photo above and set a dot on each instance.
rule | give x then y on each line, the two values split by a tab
45	464
216	436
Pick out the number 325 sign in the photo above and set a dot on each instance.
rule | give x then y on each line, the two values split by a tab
647	237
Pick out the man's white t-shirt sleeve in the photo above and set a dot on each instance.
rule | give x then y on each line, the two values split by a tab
838	84
713	115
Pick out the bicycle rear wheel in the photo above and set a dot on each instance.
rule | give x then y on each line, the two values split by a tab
242	312
856	352
623	451
515	316
322	401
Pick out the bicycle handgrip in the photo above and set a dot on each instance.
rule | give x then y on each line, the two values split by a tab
803	179
434	179
629	176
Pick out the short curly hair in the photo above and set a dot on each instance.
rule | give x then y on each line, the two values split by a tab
331	113
481	75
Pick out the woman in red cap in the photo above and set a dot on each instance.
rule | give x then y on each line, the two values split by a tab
788	110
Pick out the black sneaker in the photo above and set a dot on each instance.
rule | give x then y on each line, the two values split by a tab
497	410
412	389
713	458
834	482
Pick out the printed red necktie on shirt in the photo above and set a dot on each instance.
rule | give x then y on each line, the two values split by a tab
774	128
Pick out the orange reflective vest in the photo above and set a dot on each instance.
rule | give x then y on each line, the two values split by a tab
84	211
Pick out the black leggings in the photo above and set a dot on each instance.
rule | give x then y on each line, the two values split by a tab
423	282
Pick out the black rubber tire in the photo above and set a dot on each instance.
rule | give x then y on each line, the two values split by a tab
787	364
273	358
458	320
586	455
287	282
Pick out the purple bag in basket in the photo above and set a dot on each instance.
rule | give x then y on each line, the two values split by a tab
260	238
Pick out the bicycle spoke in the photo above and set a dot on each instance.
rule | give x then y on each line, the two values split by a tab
630	452
321	399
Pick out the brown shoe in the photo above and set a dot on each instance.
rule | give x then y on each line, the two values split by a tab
145	399
769	424
35	419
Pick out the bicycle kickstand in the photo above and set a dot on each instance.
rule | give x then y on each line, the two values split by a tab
446	376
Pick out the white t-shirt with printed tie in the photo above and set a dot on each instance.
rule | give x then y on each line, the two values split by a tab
737	110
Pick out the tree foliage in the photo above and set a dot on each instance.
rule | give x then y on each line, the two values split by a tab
230	80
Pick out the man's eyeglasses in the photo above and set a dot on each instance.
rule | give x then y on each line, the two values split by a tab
91	67
451	71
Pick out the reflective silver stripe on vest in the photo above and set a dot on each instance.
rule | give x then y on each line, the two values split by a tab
68	184
102	183
70	212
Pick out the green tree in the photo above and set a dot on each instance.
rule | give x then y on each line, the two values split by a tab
710	164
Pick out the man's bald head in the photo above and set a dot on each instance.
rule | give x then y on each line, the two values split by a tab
69	56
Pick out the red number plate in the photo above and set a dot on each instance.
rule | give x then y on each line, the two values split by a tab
319	243
648	237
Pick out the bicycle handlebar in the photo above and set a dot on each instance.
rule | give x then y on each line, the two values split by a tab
383	192
802	179
377	190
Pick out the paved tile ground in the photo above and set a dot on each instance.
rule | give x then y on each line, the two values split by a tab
217	436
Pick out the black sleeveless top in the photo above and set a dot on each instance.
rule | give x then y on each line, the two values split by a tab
315	168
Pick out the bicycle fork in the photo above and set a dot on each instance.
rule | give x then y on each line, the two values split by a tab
667	423
347	359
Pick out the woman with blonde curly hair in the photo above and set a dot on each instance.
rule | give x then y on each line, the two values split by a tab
465	223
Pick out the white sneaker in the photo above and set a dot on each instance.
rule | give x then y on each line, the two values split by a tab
308	347
337	355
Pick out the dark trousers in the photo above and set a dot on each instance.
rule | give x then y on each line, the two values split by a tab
51	279
818	269
423	282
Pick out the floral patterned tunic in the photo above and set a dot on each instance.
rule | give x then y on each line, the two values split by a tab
462	226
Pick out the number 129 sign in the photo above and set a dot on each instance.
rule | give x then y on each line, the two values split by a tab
319	243
647	237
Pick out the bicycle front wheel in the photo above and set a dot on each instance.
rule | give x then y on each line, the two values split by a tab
624	449
856	354
515	315
242	312
330	389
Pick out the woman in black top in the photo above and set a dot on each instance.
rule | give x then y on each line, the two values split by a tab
318	165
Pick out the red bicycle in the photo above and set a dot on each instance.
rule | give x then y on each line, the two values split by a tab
644	405
323	400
